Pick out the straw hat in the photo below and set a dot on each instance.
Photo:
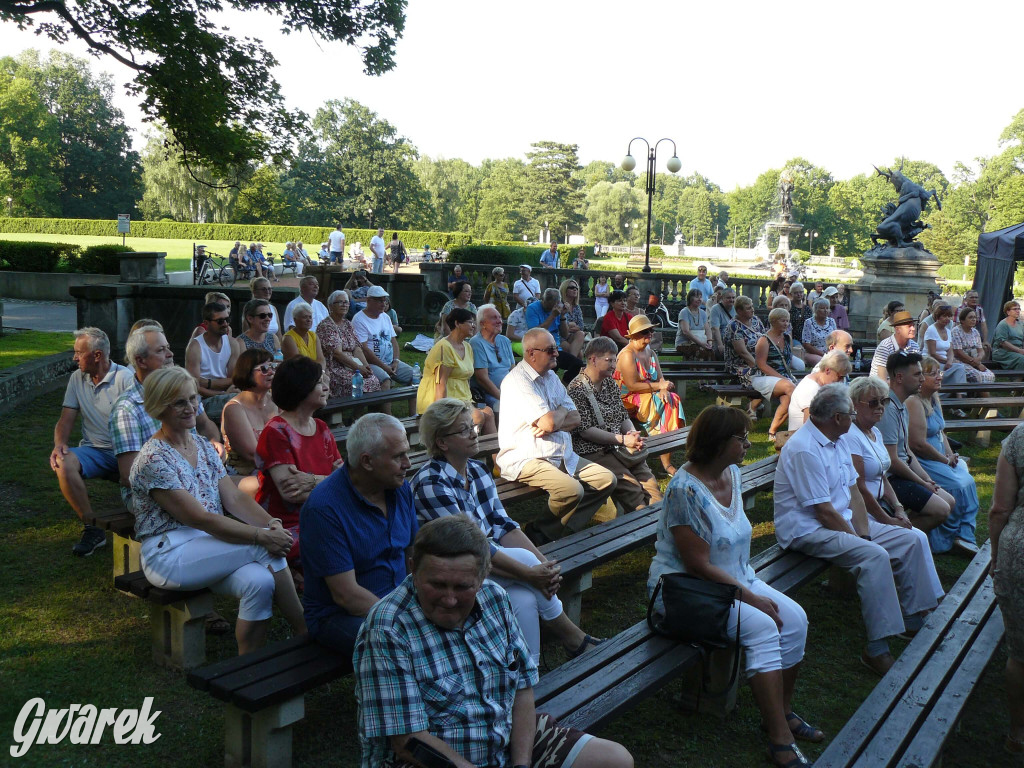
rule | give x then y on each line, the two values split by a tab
639	323
902	318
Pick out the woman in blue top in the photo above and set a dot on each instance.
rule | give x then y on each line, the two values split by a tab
704	532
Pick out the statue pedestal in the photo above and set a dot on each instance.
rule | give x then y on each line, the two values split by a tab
904	274
785	229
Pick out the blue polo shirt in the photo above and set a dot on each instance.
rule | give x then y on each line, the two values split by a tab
485	355
341	531
535	315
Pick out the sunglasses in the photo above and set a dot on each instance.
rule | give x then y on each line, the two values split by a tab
549	350
875	402
264	315
221	320
266	368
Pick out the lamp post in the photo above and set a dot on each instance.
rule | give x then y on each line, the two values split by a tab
629	243
10	206
673	165
810	248
369	218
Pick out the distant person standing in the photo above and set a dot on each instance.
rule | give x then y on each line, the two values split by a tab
549	258
336	243
702	284
377	248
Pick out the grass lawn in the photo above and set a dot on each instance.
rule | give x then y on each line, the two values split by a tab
67	636
17	347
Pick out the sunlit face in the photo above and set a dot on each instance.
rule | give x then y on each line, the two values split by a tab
262	375
386	468
340	305
317	396
971	298
466	293
459	440
943	319
970	320
604	364
160	354
309	290
446	588
303	320
262	290
931	380
88	360
490	322
904	332
181	413
870	410
781	324
632	297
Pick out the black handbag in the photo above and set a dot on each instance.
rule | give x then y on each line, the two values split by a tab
697	612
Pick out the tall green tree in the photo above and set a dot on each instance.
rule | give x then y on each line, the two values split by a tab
609	208
29	147
172	191
98	171
355	168
452	188
500	214
261	199
750	208
216	93
554	192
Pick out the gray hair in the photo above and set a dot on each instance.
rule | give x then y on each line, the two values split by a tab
600	345
838	361
797	286
822	302
781	302
97	339
366	437
452	536
137	346
480	312
439	416
830	400
865	386
302	307
550	294
335	295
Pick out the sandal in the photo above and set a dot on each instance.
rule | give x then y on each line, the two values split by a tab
588	641
217	624
752	415
796	762
801	729
771	437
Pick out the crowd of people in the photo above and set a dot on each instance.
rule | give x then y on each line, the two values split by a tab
236	485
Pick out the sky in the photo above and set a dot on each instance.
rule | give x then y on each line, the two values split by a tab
741	87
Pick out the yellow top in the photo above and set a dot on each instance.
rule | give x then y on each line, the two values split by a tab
443	353
307	348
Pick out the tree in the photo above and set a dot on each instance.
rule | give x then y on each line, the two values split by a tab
601	170
29	146
261	200
554	191
750	208
186	65
98	172
609	208
500	215
452	188
355	168
172	191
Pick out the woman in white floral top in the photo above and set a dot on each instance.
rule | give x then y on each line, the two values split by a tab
181	492
967	347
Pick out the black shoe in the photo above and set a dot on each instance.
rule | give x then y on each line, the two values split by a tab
92	539
534	534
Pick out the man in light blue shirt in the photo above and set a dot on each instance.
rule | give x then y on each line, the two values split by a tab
702	284
492	355
547	313
549	258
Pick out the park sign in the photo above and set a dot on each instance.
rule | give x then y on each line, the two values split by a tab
124	225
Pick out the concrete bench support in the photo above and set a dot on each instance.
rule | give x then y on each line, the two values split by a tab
261	739
127	555
179	631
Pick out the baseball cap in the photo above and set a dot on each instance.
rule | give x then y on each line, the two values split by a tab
376	292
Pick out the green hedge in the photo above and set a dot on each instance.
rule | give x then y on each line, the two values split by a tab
956	271
508	255
26	256
101	259
265	233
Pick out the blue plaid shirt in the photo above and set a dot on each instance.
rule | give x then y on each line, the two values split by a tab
439	490
459	684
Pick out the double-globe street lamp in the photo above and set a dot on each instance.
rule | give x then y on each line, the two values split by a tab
811	234
673	165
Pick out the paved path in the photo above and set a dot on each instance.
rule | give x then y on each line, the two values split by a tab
40	315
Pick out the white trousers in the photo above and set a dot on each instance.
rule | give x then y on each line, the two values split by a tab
895	572
186	559
769	648
528	603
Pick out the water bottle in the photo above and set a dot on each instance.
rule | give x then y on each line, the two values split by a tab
417	374
278	357
856	361
357	384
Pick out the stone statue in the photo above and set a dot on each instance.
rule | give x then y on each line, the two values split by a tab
786	195
901	221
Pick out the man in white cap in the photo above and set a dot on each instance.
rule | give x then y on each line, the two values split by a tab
838	312
376	334
526	289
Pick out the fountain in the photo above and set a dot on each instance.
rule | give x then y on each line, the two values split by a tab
784	225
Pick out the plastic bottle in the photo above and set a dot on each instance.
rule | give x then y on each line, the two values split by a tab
417	374
357	384
857	361
278	356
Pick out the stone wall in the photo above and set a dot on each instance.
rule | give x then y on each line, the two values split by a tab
28	380
45	286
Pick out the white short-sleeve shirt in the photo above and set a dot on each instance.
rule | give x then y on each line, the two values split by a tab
801	399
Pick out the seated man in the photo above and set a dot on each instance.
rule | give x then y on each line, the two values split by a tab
492	355
902	340
91	391
324	255
442	660
548	313
309	289
535	446
356	527
834	367
376	334
836	310
722	313
210	359
820	512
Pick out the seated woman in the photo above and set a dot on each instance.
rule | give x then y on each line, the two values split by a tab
1008	339
300	338
741	337
644	390
247	258
968	348
693	334
816	330
928	441
260	288
454	483
258	314
703	531
937	342
774	356
449	367
247	413
390	312
181	493
573	341
463	292
871	460
605	429
615	322
516	328
342	351
295	452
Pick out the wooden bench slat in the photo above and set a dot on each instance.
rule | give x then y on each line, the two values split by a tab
291	683
226	686
201	677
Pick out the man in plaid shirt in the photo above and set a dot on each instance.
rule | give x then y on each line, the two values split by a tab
442	660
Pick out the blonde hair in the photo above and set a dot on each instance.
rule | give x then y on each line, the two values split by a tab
565	285
218	298
779	313
744	302
162	387
929	365
440	415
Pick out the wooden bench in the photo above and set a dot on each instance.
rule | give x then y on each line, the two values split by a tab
334	411
590	691
910	714
411	424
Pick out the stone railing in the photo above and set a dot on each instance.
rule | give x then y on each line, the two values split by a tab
671	286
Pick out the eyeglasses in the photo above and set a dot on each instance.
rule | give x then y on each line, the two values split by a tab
264	315
876	402
472	429
266	288
186	404
221	320
744	438
549	350
571	288
851	414
266	368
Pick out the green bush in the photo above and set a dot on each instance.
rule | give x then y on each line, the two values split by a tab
26	256
101	259
265	233
512	254
956	271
